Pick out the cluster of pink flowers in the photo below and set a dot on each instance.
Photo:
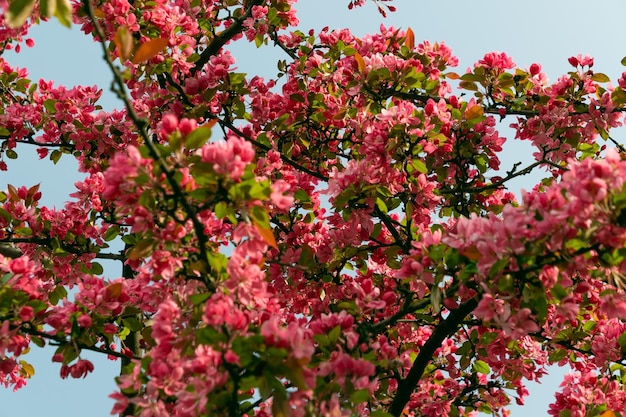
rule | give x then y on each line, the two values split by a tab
229	157
328	247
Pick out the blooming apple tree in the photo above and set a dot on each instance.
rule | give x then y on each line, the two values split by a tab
338	240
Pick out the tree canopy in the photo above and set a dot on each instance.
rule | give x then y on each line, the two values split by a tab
338	240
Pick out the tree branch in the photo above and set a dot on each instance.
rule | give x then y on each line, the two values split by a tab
28	329
443	330
220	40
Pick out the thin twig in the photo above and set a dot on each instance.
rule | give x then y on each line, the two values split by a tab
29	329
220	40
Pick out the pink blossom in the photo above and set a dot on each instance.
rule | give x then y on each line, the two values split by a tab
27	313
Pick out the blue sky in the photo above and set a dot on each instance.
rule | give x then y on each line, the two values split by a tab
546	32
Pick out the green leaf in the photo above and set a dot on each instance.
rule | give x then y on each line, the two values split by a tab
132	323
419	166
5	278
260	217
481	367
600	78
63	12
589	325
209	336
198	137
435	299
50	105
38	341
111	233
380	413
334	334
360	396
197	299
55	156
466	85
124	43
59	293
488	338
623	61
558	292
381	205
5	214
302	196
46	7
221	210
622	341
557	355
18	12
123	332
24	231
96	268
142	249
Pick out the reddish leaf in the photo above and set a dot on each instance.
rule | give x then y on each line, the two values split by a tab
266	233
142	249
471	253
359	62
13	192
114	290
473	112
409	40
149	50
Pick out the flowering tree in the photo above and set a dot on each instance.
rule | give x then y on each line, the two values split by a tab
335	241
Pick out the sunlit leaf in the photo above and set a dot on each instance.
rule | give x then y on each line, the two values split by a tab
471	253
198	137
13	192
111	233
114	290
409	39
600	78
481	367
27	369
124	43
141	249
381	205
47	7
359	62
132	323
266	233
18	12
63	12
149	50
474	112
197	299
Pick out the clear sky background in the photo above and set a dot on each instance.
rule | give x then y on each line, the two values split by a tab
545	32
